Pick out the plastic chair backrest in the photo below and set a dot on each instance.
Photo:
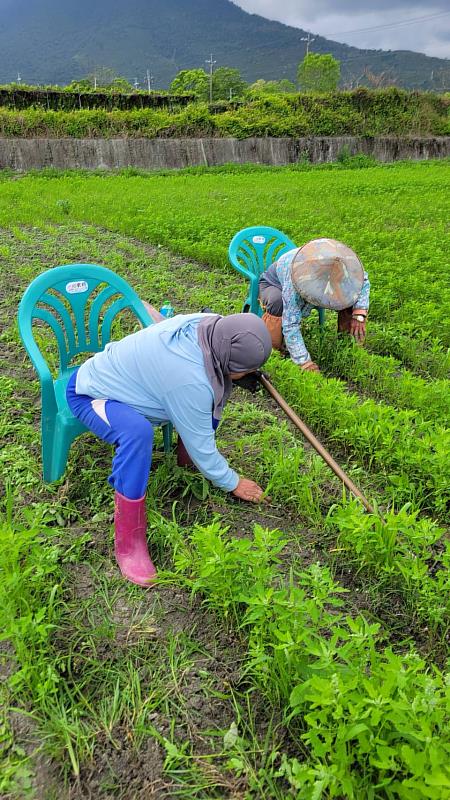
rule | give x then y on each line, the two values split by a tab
79	303
254	249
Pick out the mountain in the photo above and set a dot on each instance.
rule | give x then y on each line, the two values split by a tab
56	41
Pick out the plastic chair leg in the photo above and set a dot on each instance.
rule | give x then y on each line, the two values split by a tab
55	452
167	437
321	317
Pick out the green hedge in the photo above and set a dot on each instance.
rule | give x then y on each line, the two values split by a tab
358	113
72	100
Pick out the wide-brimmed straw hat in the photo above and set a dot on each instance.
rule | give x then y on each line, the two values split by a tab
328	274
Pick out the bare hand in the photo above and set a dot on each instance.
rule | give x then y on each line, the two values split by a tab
310	366
248	490
358	330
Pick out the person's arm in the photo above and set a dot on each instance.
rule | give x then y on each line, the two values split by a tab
359	312
362	301
291	322
189	409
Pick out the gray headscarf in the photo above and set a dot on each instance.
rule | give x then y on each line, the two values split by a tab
237	343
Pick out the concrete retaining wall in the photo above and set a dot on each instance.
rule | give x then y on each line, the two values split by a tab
24	154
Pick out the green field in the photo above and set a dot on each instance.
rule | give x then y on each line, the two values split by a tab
297	649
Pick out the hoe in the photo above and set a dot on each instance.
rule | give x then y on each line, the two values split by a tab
309	436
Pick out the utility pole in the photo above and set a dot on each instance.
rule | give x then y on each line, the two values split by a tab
19	79
211	67
309	40
150	80
95	82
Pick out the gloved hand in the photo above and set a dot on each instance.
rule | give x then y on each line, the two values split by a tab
249	382
309	366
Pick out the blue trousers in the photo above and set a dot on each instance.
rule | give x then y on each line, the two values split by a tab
129	431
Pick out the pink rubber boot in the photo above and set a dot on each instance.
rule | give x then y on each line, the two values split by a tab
130	526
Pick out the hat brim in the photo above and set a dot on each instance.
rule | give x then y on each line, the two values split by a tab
328	277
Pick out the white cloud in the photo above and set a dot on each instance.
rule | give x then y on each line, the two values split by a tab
336	18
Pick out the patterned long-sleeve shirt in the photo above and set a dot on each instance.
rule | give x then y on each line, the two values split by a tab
295	308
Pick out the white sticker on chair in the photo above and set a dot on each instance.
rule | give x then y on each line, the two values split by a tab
259	239
76	287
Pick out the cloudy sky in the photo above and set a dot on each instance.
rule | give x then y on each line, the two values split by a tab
340	19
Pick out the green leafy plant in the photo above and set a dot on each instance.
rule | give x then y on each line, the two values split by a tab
318	648
262	113
319	72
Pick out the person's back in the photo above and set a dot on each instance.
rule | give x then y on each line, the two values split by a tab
144	367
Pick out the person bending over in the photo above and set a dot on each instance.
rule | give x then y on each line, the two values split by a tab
179	371
324	273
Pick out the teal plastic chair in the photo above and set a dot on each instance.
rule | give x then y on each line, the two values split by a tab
251	252
79	302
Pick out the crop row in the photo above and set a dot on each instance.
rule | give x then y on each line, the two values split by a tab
382	213
400	554
363	716
278	664
403	553
411	454
384	218
415	314
421	352
384	378
360	715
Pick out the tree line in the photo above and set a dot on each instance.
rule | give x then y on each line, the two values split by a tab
316	73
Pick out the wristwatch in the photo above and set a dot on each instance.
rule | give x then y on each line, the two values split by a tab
359	317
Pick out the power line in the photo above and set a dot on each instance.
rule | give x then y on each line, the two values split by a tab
367	52
399	23
374	53
391	55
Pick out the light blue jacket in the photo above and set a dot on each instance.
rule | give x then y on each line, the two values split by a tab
159	371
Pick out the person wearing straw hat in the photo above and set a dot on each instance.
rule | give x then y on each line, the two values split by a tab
324	273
